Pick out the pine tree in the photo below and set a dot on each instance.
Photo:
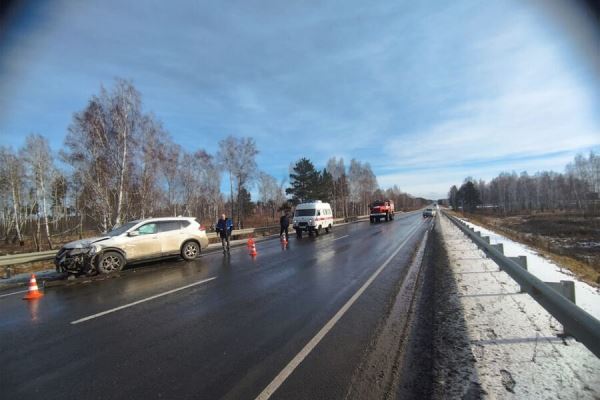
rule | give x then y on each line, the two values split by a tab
305	181
325	186
469	195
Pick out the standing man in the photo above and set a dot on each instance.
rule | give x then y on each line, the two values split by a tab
284	223
224	228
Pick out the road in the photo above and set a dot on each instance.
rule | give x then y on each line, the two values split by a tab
291	323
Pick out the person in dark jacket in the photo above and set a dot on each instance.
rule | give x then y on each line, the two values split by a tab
224	228
284	223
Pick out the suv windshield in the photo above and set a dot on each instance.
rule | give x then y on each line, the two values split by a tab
378	203
122	229
309	212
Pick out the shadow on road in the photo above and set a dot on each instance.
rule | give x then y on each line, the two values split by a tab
437	362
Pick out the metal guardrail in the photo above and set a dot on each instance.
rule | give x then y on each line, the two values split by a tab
581	325
23	258
13	259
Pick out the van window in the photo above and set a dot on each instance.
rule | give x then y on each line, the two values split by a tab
309	212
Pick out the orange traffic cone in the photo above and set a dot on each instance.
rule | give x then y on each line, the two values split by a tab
253	251
250	243
33	292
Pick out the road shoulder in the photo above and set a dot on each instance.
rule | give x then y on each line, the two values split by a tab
512	340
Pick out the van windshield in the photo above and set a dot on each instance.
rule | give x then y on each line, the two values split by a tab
308	212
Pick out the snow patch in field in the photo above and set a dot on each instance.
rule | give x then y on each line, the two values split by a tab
586	296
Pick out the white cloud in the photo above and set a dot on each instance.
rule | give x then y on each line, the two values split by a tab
529	106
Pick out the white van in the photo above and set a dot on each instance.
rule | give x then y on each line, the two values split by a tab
313	217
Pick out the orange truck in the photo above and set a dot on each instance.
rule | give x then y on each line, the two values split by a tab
381	209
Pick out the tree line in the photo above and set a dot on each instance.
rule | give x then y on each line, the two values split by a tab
350	189
577	189
119	163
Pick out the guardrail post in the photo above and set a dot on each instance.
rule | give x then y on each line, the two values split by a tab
566	289
521	260
486	238
478	233
7	272
499	247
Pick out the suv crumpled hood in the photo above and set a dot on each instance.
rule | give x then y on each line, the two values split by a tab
84	243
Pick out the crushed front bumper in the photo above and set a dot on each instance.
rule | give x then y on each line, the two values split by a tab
75	261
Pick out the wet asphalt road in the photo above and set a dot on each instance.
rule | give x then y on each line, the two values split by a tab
228	337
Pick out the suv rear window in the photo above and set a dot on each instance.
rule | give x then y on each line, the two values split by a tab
308	212
166	226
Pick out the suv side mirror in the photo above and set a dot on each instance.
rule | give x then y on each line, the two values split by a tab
133	233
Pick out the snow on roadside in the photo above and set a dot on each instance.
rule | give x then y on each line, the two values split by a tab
586	296
515	352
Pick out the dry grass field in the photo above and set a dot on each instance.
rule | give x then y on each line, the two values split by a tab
571	240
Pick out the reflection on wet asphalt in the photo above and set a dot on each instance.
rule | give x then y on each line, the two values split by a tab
227	337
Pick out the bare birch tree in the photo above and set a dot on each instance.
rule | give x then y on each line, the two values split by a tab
39	161
100	147
171	161
238	157
13	177
126	121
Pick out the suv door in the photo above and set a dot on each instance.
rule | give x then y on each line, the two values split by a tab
170	237
146	244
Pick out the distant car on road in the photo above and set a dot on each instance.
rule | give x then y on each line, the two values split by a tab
134	241
312	217
429	212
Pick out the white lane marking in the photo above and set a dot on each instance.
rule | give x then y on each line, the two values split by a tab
292	365
141	301
341	237
10	294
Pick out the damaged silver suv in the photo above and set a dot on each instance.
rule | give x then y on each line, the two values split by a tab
131	242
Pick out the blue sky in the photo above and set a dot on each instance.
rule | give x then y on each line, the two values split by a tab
427	92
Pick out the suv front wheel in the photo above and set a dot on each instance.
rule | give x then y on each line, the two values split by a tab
111	261
190	250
